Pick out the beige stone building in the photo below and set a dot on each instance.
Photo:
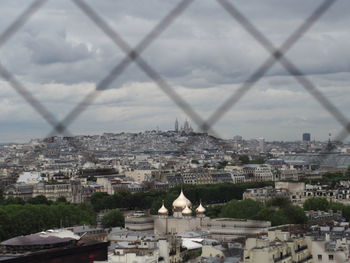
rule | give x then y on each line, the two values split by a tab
265	193
139	221
329	250
197	178
278	246
74	191
53	191
295	190
139	175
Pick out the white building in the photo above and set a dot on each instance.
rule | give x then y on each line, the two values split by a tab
223	228
278	246
327	250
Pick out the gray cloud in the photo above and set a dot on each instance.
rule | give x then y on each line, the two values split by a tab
61	55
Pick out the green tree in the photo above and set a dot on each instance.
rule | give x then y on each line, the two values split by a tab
346	212
2	199
99	200
278	201
221	164
244	159
244	209
14	201
257	161
295	214
5	224
279	218
316	203
335	206
347	172
26	219
61	199
39	200
213	211
112	219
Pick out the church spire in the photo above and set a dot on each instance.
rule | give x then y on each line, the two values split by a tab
176	125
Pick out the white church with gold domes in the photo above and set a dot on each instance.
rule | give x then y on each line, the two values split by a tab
182	219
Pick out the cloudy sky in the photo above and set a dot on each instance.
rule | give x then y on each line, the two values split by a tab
60	56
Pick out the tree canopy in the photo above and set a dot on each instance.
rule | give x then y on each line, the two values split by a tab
39	200
244	209
316	203
112	219
209	194
282	213
25	219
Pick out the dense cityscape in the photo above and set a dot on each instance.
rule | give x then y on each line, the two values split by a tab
174	131
176	196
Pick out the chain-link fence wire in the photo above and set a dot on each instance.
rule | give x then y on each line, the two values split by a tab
133	55
278	55
23	91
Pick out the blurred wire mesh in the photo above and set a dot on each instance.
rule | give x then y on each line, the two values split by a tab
133	55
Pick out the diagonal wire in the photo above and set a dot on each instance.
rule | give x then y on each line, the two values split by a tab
31	100
319	96
59	127
276	54
289	66
343	134
132	55
20	88
14	82
21	20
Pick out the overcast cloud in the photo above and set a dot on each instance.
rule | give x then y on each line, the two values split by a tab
60	55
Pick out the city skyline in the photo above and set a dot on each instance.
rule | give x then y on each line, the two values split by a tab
185	126
174	131
182	129
204	58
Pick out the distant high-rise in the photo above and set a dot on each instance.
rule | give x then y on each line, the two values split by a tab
237	138
306	137
176	125
261	147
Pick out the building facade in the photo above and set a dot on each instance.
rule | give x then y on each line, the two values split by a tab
182	221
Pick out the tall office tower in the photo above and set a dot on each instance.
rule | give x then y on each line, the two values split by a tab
176	125
306	137
261	144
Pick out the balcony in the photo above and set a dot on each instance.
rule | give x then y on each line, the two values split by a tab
309	257
302	248
282	258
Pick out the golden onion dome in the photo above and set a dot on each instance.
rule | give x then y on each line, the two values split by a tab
200	209
181	202
186	211
163	210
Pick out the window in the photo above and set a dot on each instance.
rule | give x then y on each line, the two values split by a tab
319	257
330	257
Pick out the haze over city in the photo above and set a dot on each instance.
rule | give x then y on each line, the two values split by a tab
60	55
